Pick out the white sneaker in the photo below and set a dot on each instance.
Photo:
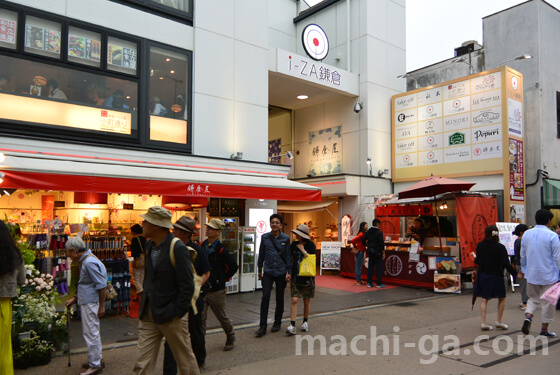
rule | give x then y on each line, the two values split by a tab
501	325
305	327
486	327
291	330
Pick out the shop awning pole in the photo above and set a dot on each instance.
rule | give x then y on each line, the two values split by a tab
437	219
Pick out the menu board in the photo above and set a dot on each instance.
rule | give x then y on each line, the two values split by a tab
42	39
84	48
7	31
121	56
454	128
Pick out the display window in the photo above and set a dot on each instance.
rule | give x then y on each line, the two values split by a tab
42	37
8	29
91	83
182	9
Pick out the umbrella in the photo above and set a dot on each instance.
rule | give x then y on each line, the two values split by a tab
432	186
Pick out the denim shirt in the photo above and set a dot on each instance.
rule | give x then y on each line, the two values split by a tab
93	277
269	259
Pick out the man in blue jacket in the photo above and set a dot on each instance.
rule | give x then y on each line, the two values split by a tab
276	259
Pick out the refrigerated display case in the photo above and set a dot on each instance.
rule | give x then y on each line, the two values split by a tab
230	239
247	263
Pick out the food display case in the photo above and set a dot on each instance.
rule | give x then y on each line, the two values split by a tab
247	261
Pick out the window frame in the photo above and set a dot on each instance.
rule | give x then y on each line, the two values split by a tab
161	10
57	133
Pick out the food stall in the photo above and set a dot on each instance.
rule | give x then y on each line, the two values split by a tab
462	220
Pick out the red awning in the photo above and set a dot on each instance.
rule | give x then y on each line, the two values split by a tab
254	187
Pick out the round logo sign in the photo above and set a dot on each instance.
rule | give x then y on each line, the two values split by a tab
514	83
315	42
261	226
421	268
393	265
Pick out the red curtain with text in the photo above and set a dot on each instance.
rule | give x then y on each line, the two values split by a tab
474	214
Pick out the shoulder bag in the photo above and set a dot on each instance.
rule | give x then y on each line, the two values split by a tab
111	293
140	262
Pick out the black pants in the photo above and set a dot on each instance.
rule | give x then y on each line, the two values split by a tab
267	282
198	341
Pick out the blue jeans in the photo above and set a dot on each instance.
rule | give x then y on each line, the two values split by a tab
376	262
359	261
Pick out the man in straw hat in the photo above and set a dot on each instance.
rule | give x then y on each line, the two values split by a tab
223	268
168	290
183	229
276	259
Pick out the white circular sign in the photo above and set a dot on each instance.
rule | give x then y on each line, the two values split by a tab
315	42
421	268
393	265
514	83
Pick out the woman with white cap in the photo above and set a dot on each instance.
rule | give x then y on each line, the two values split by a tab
301	286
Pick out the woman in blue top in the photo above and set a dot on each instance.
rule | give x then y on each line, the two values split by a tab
301	286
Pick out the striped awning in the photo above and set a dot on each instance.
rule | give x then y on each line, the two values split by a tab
551	193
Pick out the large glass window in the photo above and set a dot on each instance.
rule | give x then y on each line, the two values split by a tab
182	5
168	95
180	8
50	95
42	37
8	29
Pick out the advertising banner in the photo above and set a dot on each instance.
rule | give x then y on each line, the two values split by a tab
330	255
474	214
47	207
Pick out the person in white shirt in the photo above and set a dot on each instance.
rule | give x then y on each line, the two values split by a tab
540	265
54	91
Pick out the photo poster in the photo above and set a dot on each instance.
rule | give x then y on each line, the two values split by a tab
330	255
447	283
84	48
115	55
325	149
7	31
506	237
129	58
274	151
516	173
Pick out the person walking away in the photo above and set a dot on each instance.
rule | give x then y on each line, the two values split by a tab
12	274
375	245
223	267
492	258
137	245
359	257
168	291
90	298
301	286
183	229
519	230
274	267
540	263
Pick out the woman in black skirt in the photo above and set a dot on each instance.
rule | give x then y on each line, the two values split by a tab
301	286
492	259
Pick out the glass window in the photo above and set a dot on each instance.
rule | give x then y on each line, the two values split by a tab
8	29
42	37
63	97
168	95
122	55
84	46
182	5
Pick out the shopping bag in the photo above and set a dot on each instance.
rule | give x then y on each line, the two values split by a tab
308	267
552	294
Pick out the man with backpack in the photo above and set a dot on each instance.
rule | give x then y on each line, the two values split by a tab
223	267
168	292
375	245
183	229
276	258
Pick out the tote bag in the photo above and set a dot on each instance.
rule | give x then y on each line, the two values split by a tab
307	267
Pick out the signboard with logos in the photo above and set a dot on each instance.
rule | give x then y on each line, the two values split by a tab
466	127
325	148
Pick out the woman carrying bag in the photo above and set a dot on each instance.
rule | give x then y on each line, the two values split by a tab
359	249
301	286
137	251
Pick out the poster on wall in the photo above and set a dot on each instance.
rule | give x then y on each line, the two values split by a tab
516	175
517	213
325	148
274	151
47	207
330	255
7	31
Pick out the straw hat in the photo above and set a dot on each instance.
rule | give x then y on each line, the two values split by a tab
158	216
186	223
216	224
302	230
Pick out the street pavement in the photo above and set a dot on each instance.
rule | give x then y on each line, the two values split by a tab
408	336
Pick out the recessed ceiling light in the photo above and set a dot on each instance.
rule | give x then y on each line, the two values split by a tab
160	77
302	97
172	72
168	59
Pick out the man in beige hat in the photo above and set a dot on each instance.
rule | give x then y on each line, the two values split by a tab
183	229
168	291
223	268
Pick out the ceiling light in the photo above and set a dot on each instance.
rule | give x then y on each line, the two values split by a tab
168	59
172	72
302	97
160	77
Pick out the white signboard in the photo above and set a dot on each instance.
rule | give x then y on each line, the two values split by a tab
506	237
330	255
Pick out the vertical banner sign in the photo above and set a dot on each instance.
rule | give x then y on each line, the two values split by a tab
474	214
390	226
325	146
47	207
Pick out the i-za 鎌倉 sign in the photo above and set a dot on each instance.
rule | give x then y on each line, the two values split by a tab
325	149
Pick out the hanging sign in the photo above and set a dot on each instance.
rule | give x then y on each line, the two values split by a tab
396	210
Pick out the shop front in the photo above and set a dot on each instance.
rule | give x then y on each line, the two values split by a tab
415	254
